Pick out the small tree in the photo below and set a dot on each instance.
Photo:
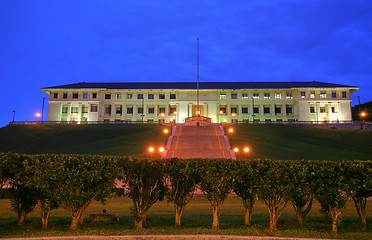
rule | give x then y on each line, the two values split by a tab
215	179
73	181
329	186
145	182
358	177
301	188
181	185
273	188
245	186
23	198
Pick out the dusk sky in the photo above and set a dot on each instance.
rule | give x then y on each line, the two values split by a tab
49	43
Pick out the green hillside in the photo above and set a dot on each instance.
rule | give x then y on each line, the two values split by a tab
103	139
276	141
265	140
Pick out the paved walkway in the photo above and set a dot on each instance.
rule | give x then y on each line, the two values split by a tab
198	142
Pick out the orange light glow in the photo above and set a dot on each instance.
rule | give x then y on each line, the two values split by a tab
37	114
221	112
171	120
246	149
151	149
363	114
161	149
162	114
175	113
231	130
233	114
224	120
165	131
236	150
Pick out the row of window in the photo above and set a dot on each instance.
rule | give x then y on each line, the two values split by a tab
256	96
323	95
118	96
322	109
278	110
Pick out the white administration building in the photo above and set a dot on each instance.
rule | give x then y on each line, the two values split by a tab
220	101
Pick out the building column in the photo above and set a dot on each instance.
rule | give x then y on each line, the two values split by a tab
69	112
318	111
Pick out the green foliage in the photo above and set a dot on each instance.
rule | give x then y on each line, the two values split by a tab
181	185
146	184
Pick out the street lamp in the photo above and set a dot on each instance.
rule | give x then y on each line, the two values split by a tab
14	111
161	149
221	112
231	131
362	115
165	131
42	111
246	150
37	116
151	150
236	150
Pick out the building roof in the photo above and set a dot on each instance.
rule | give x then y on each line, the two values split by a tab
202	85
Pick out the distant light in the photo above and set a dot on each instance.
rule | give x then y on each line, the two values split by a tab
166	131
221	112
171	120
236	150
363	114
162	114
246	149
224	120
175	113
231	130
151	149
161	149
38	114
233	114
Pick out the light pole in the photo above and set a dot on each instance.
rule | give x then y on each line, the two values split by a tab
42	111
360	116
14	111
37	117
151	150
231	131
246	151
165	131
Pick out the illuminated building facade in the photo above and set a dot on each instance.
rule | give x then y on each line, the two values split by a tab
220	101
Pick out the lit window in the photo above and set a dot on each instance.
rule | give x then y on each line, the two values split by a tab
267	95
322	109
94	95
256	95
234	96
151	110
244	110
223	96
108	96
84	109
65	95
85	95
161	96
55	95
289	96
74	109
333	95
140	96
150	96
75	95
278	95
245	95
279	120
94	108
323	95
303	94
64	109
161	111
172	96
312	109
119	109
256	110
289	109
343	94
312	95
267	120
234	110
118	96
266	110
129	96
278	110
108	110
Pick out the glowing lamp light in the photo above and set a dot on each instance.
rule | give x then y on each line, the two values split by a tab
175	113
236	149
224	120
246	149
161	149
162	114
151	149
171	120
363	114
166	131
233	114
221	112
231	130
38	114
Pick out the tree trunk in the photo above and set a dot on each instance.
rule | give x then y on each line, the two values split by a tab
360	205
248	207
179	212
74	223
138	224
335	213
45	212
273	220
216	216
22	218
81	218
300	217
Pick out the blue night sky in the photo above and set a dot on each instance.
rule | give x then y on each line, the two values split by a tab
48	43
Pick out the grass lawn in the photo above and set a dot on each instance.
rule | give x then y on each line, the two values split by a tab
286	142
102	139
197	220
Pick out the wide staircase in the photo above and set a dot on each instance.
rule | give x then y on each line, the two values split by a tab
198	142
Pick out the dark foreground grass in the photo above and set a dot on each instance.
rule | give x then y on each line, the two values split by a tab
102	139
197	220
286	142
